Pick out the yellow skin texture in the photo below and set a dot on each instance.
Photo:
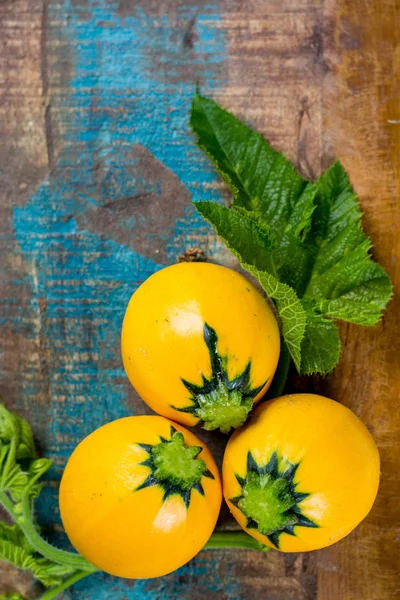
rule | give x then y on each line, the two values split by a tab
162	334
339	465
130	533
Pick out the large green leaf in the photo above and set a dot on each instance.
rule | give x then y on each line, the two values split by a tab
304	240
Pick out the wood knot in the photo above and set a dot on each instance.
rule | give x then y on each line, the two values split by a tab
193	255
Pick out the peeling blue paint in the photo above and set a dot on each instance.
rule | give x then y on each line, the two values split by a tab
192	579
131	82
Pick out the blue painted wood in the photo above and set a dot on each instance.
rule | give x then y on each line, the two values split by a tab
119	111
77	232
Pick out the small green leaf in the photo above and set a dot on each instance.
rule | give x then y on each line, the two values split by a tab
18	456
14	535
15	482
12	425
8	424
26	448
41	568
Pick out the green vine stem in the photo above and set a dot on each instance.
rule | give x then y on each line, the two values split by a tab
218	540
62	557
234	539
280	378
53	592
25	522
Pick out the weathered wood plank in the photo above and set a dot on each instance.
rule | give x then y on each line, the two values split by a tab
23	163
98	93
362	123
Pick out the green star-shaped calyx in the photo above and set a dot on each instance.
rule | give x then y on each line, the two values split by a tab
220	402
270	499
175	467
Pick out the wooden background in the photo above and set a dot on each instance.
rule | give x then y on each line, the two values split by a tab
97	172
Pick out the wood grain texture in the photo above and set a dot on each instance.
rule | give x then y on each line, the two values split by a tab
98	169
362	120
